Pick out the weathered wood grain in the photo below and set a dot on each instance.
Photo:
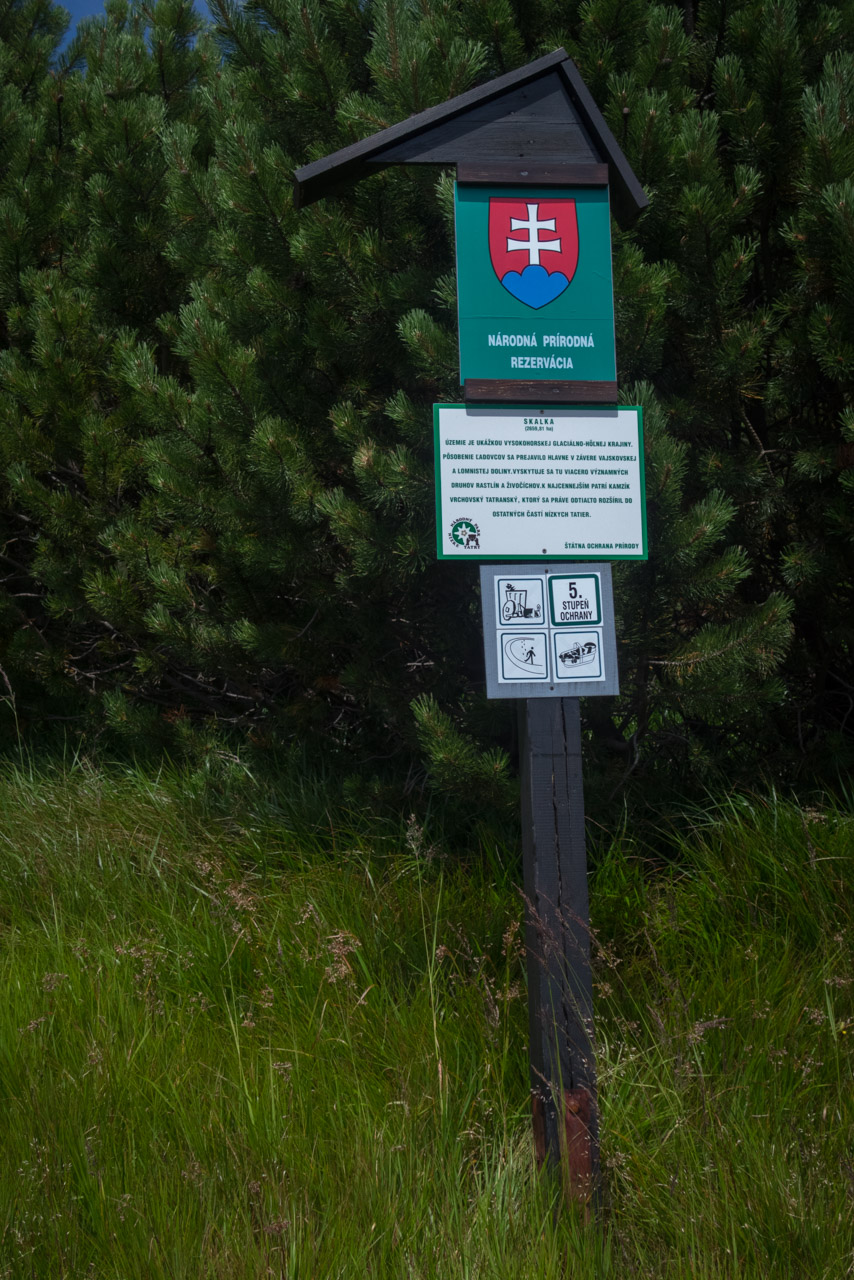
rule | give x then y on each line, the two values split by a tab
314	180
525	174
535	390
464	139
542	113
557	939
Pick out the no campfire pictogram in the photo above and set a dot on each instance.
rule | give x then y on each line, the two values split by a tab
533	247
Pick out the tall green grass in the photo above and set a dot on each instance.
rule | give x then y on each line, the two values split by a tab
252	1049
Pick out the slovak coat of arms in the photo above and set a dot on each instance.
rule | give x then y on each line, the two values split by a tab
533	247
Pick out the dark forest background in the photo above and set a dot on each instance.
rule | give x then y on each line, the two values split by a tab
216	476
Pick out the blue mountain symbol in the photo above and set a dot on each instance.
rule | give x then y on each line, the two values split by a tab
534	286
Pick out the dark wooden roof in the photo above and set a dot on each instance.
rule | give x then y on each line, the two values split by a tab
541	113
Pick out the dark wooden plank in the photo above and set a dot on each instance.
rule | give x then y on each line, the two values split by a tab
513	139
557	936
540	890
628	196
523	174
312	181
534	390
574	908
544	99
541	112
580	1144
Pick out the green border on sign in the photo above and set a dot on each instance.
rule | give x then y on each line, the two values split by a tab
523	679
574	577
556	645
523	623
487	311
575	554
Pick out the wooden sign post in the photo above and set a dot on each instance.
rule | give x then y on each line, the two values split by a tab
538	171
557	941
549	631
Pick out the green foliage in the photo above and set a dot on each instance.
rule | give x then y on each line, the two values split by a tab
273	1045
215	440
458	767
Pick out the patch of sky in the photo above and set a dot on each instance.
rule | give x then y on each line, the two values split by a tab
79	9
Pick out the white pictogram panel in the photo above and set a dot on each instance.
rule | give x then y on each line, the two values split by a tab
577	655
522	657
549	632
520	602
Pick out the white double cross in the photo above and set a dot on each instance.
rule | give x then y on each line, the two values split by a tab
534	245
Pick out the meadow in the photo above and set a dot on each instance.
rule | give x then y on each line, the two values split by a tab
268	1045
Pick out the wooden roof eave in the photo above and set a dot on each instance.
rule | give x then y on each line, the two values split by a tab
322	177
628	197
314	180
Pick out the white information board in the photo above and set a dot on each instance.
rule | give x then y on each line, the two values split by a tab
548	632
532	484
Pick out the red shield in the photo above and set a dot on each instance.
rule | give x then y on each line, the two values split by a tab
530	241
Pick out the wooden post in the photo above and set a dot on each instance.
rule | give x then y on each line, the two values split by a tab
564	141
560	988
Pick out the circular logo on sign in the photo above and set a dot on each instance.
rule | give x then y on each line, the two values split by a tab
465	534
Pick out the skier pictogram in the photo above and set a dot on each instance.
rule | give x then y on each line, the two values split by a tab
533	247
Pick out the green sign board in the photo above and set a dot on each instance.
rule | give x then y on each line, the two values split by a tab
534	283
517	483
